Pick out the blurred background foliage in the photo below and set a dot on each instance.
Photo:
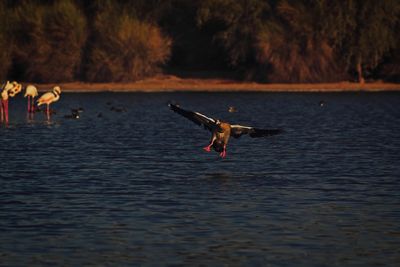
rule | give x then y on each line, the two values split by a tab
6	41
48	41
258	40
123	48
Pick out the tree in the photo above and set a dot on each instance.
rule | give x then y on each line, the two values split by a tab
124	48
6	41
49	40
237	24
285	41
295	43
369	33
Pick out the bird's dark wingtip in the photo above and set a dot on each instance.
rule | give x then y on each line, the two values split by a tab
277	131
265	132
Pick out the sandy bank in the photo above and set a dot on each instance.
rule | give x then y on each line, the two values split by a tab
175	84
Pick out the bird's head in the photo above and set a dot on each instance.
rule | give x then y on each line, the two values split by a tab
57	90
218	126
15	89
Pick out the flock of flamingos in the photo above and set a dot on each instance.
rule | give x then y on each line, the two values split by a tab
11	89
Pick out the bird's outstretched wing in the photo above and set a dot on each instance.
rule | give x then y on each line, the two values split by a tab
239	130
196	117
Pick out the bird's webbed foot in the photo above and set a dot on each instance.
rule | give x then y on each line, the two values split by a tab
207	148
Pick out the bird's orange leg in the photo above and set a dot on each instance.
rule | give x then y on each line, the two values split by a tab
29	103
208	148
223	153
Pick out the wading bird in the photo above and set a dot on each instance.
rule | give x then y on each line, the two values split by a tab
9	90
16	89
4	101
49	98
222	131
31	93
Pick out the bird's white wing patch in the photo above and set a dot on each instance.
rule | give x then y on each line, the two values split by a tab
207	118
241	126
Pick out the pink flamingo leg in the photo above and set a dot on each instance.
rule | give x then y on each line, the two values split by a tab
2	110
48	112
6	110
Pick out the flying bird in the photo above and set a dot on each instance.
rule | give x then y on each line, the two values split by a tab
31	93
222	131
49	97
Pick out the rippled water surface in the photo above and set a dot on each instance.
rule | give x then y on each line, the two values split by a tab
135	187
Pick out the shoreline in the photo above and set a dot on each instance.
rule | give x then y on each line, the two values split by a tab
175	84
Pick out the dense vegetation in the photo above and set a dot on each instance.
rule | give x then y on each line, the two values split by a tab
270	41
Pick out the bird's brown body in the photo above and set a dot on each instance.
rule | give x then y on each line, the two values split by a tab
220	137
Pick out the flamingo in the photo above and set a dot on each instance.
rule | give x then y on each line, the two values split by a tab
222	131
16	89
4	101
9	89
31	93
49	98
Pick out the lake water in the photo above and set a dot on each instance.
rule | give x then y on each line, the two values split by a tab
135	187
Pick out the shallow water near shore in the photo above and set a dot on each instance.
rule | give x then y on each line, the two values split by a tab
129	184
